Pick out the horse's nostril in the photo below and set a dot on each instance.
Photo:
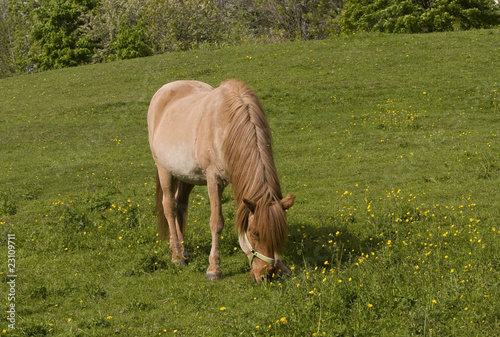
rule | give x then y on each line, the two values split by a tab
262	278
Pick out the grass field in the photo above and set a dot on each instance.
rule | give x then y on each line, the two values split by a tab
390	143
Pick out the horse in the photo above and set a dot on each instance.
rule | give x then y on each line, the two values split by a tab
199	135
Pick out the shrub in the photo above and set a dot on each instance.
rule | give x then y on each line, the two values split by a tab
418	16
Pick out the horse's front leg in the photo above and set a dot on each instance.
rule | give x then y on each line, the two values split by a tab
215	188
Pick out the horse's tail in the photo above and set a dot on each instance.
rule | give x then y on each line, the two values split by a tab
163	229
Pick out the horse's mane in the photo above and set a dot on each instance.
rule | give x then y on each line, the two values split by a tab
248	154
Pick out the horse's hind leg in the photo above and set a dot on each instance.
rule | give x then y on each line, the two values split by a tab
169	186
182	197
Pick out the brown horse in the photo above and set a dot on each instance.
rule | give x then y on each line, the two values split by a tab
204	136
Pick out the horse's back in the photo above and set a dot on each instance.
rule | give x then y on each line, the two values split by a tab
170	94
175	101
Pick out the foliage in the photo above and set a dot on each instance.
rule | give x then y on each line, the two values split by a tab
305	19
18	21
59	33
393	156
415	16
6	66
129	43
46	34
183	25
128	29
117	30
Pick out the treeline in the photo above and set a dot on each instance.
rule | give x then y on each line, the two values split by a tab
39	35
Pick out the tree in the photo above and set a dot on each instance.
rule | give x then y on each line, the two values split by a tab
57	32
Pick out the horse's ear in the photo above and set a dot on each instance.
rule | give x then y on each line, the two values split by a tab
287	202
250	204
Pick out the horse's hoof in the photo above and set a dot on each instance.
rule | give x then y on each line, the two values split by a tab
282	270
213	276
284	273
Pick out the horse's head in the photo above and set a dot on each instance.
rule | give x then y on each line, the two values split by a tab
264	236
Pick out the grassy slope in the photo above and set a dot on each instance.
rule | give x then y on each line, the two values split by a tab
389	142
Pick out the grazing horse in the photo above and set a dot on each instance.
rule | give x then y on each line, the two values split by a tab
204	136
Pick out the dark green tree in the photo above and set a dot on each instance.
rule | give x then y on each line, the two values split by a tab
418	16
56	31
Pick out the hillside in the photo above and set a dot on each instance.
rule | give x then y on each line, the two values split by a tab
389	142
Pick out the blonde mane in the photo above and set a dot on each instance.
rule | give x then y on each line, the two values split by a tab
248	154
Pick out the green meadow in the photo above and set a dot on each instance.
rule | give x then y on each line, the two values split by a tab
390	143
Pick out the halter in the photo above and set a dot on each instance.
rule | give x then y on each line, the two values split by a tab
256	254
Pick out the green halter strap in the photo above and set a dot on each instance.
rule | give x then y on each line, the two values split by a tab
256	254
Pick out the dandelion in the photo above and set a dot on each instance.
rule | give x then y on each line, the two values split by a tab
370	305
223	308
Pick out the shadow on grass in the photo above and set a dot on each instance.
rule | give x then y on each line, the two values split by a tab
311	245
308	245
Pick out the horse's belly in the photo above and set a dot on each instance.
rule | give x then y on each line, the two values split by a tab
182	164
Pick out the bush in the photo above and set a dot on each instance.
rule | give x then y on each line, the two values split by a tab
130	43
